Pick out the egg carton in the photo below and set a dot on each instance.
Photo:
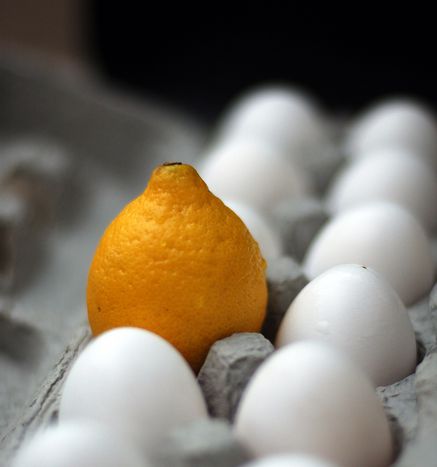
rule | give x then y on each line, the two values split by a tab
71	155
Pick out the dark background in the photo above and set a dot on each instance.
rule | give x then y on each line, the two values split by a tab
202	57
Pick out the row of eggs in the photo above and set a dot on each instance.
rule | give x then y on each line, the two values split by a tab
272	138
308	397
382	202
308	405
383	206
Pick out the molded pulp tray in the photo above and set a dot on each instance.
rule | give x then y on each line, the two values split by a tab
109	145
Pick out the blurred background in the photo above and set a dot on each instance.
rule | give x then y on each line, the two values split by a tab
198	58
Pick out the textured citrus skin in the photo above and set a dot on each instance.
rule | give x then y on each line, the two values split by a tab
178	262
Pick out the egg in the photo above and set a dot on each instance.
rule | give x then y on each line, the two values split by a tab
382	236
279	116
397	123
355	309
268	239
292	460
134	381
310	398
252	173
388	174
82	444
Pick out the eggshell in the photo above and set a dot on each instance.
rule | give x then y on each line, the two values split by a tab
253	173
382	236
292	460
355	309
267	238
279	116
134	381
397	123
388	174
310	398
82	444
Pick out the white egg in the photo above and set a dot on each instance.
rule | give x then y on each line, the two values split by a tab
400	124
252	173
268	239
382	236
134	381
279	116
79	444
357	310
292	460
388	174
309	397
